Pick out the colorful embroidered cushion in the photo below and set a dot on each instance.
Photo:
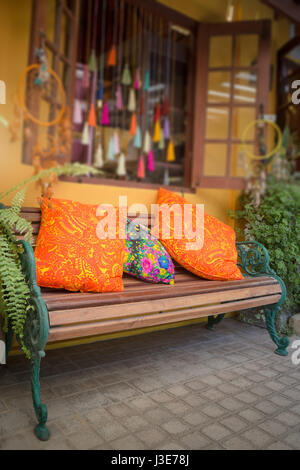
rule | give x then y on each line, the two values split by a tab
147	259
69	253
217	259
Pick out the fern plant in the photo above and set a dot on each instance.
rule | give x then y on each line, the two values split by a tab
15	296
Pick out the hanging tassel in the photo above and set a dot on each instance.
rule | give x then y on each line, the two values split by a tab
141	168
170	152
133	124
112	56
147	142
165	106
157	132
100	95
92	116
157	113
138	138
111	150
85	137
151	166
161	143
131	100
121	169
116	143
85	78
119	98
166	177
77	113
142	104
93	62
98	161
167	128
137	80
126	76
147	80
105	115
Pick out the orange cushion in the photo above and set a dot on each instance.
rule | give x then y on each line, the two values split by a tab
216	259
69	254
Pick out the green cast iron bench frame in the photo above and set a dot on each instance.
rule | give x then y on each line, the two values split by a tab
56	314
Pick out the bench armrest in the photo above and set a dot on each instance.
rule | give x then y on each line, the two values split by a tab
254	260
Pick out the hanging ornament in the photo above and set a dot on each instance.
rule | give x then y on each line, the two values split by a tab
100	95
126	76
170	152
77	113
119	98
151	161
116	143
167	132
111	150
105	115
112	57
131	100
121	169
157	113
92	116
141	168
137	80
92	62
166	177
85	137
147	142
133	124
165	106
147	80
138	138
161	143
85	78
157	132
98	160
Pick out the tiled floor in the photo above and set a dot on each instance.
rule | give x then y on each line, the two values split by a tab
185	388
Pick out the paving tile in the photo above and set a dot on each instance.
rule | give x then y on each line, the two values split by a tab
152	436
216	431
273	427
237	443
288	418
258	438
84	440
128	443
251	415
195	441
234	423
293	440
175	426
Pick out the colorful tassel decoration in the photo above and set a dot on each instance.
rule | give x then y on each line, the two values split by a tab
131	100
112	56
137	80
166	177
93	62
147	80
111	149
170	152
85	78
147	142
157	113
105	115
119	98
92	116
133	124
141	168
121	169
138	138
85	137
161	143
77	113
126	76
98	161
116	143
167	128
100	95
151	161
157	132
165	106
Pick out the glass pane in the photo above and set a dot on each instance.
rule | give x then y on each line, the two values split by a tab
246	50
220	51
215	157
218	92
241	117
217	123
238	160
245	87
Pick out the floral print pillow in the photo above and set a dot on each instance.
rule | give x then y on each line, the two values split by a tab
146	257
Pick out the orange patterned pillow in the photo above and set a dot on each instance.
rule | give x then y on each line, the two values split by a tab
69	254
216	259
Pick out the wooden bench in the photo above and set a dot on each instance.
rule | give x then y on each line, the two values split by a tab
61	315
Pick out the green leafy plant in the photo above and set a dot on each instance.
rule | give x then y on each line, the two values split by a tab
14	291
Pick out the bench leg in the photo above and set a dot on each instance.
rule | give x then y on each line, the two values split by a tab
214	320
41	431
281	342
